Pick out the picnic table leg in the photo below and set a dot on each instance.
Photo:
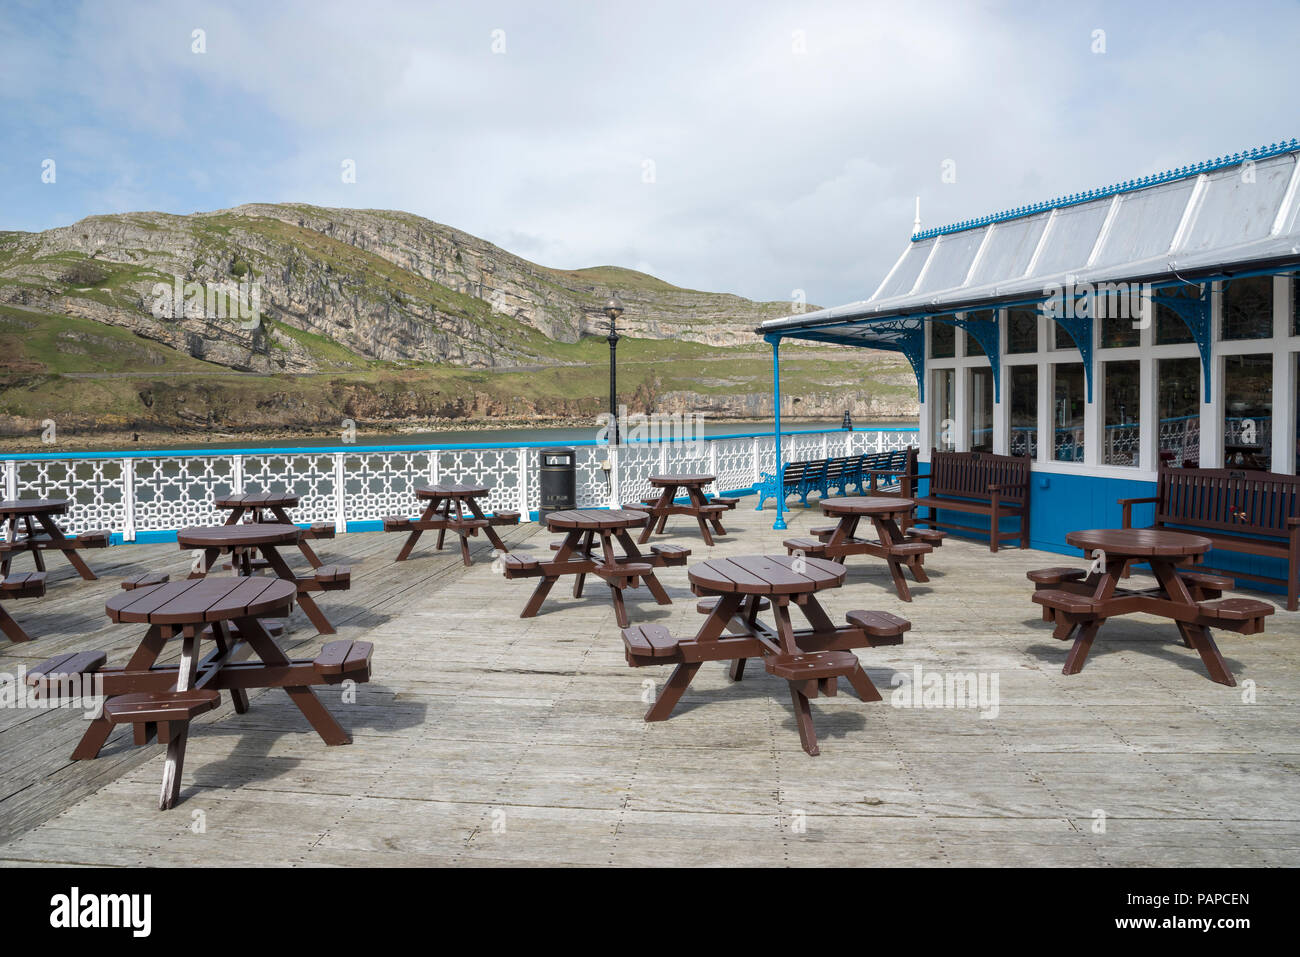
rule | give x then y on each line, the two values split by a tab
580	579
221	635
305	601
1197	636
672	692
142	659
488	530
317	715
861	682
803	718
616	585
11	628
414	537
654	519
544	586
178	732
70	553
1084	633
37	557
308	553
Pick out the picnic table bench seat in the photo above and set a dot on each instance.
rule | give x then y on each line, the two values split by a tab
1044	577
503	518
66	665
514	565
933	536
881	627
94	538
319	530
729	503
671	554
812	666
1247	512
705	606
978	483
161	707
145	581
345	659
23	585
397	523
327	578
1071	603
809	546
641	506
649	641
1243	615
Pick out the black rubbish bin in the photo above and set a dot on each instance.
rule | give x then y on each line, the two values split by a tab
559	481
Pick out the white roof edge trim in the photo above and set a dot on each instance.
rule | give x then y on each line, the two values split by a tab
890	275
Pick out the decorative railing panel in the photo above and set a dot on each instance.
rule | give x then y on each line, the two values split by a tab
140	493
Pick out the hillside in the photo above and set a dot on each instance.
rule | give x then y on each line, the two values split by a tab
383	317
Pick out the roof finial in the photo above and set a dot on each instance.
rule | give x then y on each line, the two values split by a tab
916	223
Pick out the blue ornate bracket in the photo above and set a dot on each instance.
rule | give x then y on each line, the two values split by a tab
986	334
1195	314
1079	328
909	339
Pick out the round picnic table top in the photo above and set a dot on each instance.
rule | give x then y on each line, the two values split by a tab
866	505
766	575
257	500
34	506
664	481
452	490
1140	542
243	535
198	600
595	518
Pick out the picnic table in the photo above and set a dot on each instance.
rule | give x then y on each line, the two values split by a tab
704	512
588	548
438	517
888	516
32	512
1079	603
244	541
811	660
161	700
269	508
23	585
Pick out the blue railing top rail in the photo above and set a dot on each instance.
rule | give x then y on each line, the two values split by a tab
441	447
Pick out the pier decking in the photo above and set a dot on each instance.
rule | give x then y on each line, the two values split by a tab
486	739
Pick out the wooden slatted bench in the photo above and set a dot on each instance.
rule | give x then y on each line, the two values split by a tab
345	660
145	581
1204	586
23	585
671	554
649	645
1243	615
978	483
881	627
1243	511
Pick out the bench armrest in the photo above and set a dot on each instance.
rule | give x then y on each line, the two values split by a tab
1127	505
1293	522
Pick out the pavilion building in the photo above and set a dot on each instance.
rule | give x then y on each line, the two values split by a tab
1103	333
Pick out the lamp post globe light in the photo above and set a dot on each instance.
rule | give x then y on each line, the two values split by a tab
613	309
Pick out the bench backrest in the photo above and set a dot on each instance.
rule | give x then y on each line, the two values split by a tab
969	475
794	471
1232	500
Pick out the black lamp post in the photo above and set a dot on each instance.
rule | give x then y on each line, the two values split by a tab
613	309
847	424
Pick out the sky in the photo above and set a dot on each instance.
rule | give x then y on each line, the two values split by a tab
763	148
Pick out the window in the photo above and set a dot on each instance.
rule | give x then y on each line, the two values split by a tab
1248	411
1067	411
1178	400
1024	410
1295	304
973	347
981	413
1119	332
1062	339
943	340
1248	308
1123	405
1022	330
1170	327
944	424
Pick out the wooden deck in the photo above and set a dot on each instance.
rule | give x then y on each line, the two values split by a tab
485	739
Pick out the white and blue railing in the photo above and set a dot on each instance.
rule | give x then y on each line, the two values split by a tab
146	496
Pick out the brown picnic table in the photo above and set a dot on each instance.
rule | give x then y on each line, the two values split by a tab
437	516
21	518
811	660
889	517
269	508
21	585
704	512
588	548
245	542
161	700
1079	603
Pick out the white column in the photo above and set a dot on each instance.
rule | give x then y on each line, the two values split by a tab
1211	436
1001	405
961	409
1148	410
128	499
340	495
1046	413
522	455
1284	386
